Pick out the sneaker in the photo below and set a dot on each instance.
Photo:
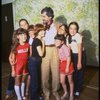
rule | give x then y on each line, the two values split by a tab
20	99
77	93
40	95
24	98
41	98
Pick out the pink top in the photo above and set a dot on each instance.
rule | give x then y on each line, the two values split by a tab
63	52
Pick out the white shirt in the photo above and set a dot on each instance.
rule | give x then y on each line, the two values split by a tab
50	34
76	39
30	40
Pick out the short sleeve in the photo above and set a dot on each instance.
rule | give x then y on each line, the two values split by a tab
79	39
30	41
66	51
37	42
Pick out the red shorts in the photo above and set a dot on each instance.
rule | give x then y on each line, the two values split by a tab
63	67
21	68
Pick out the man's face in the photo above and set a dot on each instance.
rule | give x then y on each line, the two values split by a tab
45	18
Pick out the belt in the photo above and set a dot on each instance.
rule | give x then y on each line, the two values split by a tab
51	45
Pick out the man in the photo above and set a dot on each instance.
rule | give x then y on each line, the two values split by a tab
50	61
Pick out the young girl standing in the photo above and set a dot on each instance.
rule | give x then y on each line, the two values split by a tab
23	23
78	56
66	66
20	48
31	36
35	61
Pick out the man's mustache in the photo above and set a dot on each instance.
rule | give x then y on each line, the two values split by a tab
44	22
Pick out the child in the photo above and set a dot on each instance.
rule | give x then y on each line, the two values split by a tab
11	81
23	23
30	40
12	60
78	56
63	29
31	36
19	69
35	60
66	66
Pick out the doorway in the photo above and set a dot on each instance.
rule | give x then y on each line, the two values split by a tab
7	30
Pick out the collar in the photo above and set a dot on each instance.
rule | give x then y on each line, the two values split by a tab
50	25
60	46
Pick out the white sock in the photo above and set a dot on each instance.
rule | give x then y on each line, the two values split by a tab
17	90
23	89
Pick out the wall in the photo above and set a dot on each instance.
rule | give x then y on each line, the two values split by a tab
6	1
85	12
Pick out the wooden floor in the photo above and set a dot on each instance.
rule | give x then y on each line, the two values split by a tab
90	90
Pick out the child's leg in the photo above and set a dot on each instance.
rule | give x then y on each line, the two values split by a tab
71	84
10	86
27	85
62	81
17	87
23	85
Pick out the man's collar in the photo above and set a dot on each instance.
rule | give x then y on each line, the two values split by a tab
50	25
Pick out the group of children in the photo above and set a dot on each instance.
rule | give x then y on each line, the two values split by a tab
72	58
28	47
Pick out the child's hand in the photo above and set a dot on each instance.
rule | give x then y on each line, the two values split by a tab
13	73
79	66
67	70
12	58
12	62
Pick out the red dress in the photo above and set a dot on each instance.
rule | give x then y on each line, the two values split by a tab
63	68
21	59
64	52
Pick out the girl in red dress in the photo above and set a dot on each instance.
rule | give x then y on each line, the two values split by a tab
66	66
20	48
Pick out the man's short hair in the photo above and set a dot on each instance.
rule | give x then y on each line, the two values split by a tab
49	11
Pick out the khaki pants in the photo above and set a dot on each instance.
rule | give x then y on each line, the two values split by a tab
50	63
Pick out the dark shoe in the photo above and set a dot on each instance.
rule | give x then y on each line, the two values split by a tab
41	96
24	98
